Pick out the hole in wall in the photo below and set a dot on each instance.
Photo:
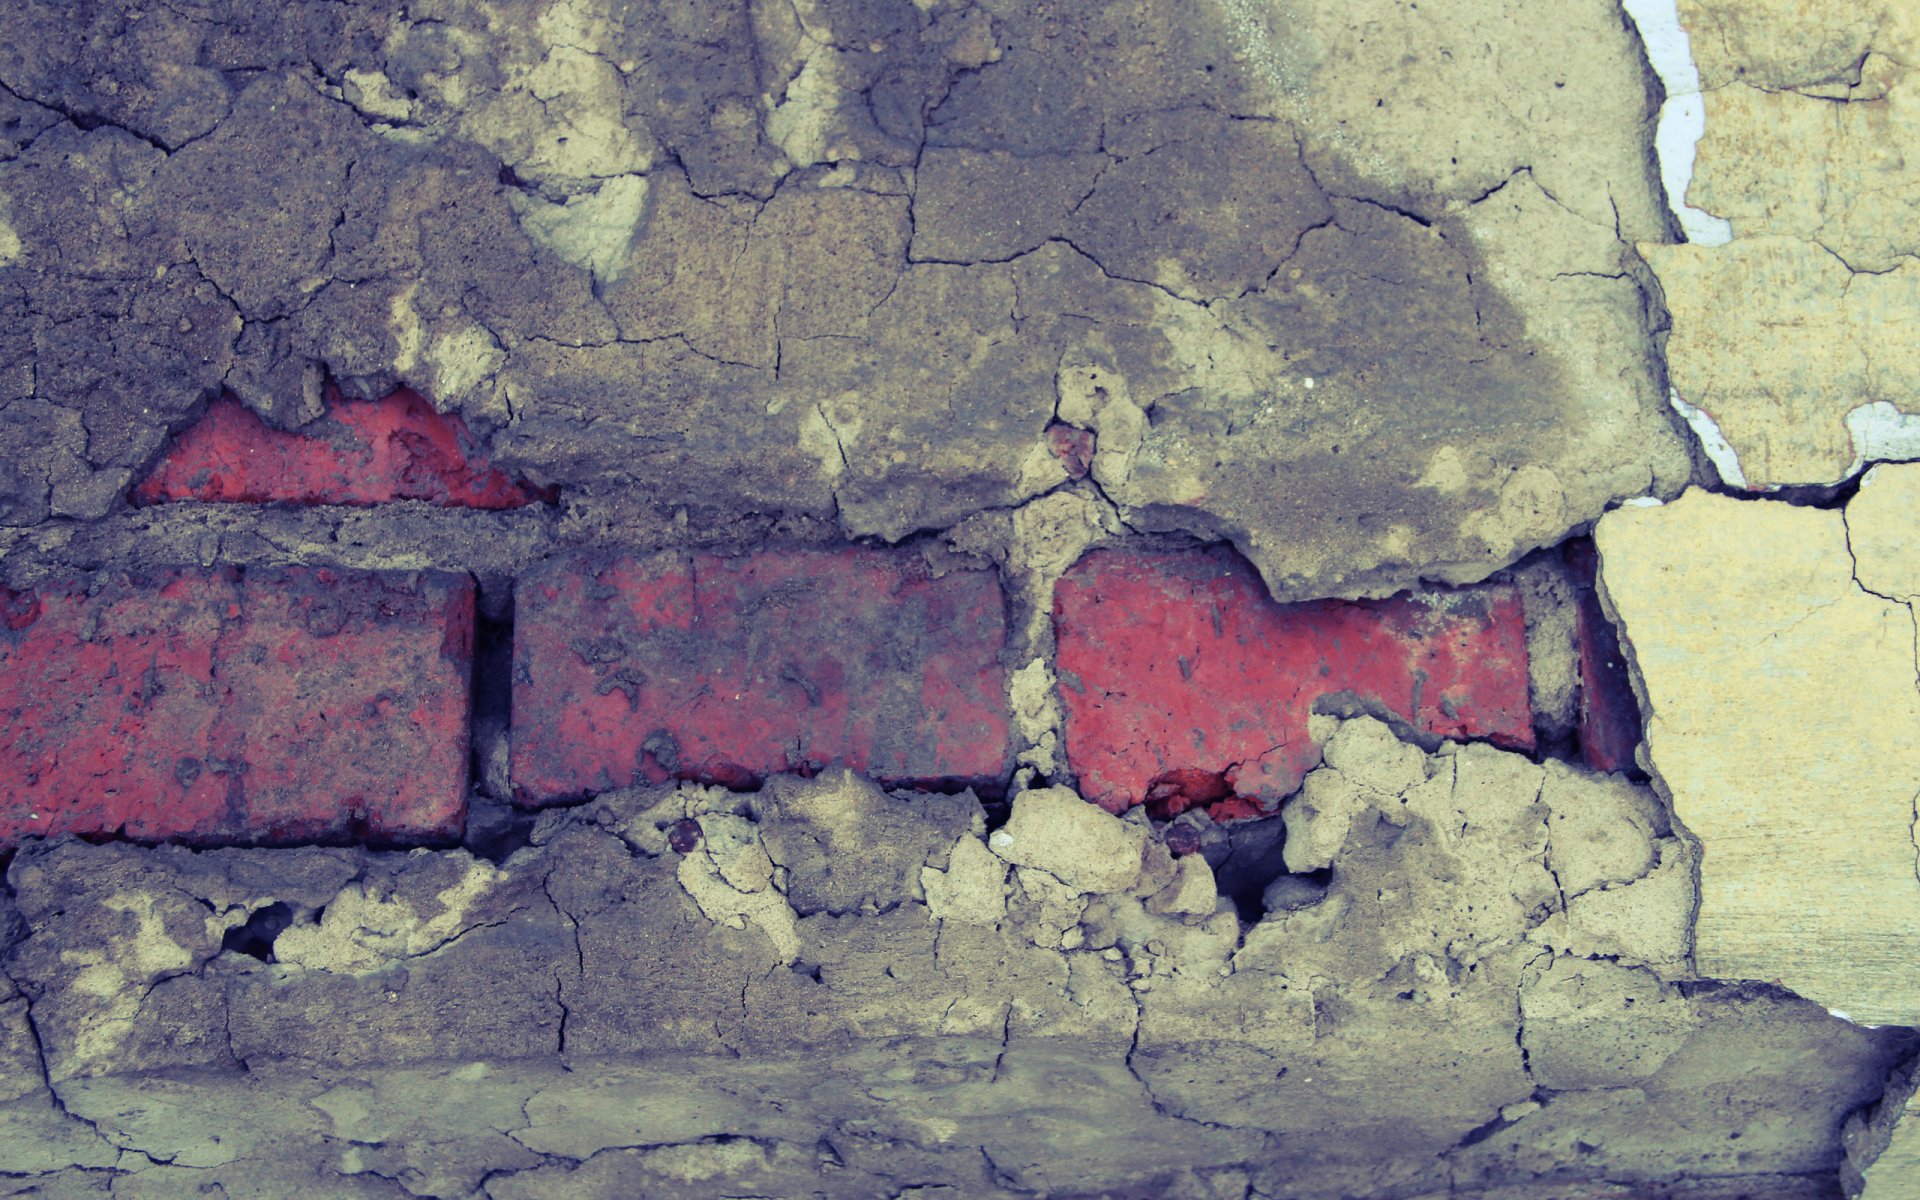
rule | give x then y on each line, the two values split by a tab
496	827
1249	864
492	656
256	936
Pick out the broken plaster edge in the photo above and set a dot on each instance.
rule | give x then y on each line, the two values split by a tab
1643	750
1880	431
1719	451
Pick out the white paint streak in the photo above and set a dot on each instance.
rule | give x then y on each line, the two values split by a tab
1719	450
1882	433
1683	118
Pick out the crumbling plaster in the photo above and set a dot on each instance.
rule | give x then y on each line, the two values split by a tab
1497	966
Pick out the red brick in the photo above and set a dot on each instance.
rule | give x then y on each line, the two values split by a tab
226	706
1609	713
361	452
729	669
1184	685
1073	446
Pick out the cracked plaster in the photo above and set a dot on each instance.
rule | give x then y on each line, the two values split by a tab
1786	350
1743	619
921	1016
834	262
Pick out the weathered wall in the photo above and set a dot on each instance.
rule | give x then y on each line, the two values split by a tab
1215	474
845	263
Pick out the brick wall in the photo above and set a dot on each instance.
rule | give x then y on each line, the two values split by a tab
229	704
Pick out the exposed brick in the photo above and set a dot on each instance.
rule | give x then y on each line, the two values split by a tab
1073	446
360	452
1185	685
1609	713
227	706
730	669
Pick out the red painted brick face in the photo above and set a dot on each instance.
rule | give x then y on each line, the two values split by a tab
264	706
361	452
729	669
1184	685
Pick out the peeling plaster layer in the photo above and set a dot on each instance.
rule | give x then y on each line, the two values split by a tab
1719	451
1783	721
1783	344
1882	433
1793	334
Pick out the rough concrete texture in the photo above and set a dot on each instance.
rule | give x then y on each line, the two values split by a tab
738	1011
855	261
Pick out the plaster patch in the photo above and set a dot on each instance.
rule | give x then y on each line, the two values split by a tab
593	230
973	888
1446	471
1881	533
462	361
374	94
731	878
409	336
1531	510
1784	724
818	438
363	930
1087	848
1783	341
805	114
566	119
803	124
120	978
1032	693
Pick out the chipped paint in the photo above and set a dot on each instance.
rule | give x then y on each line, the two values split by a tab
1713	443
